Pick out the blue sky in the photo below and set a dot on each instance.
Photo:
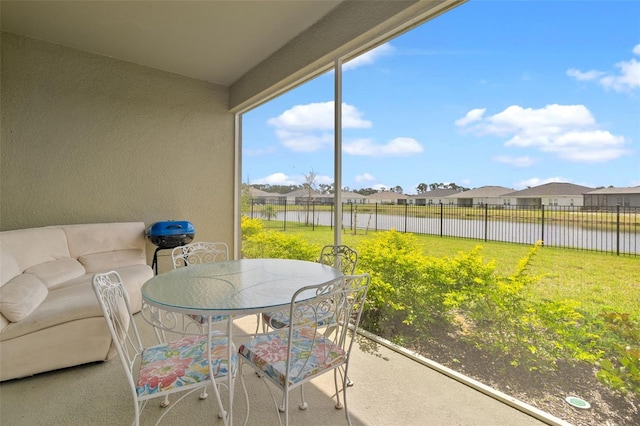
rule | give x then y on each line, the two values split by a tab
509	93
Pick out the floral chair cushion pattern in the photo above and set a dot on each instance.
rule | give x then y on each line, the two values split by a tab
278	320
182	362
269	353
202	319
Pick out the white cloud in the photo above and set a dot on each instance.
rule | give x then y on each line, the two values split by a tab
584	76
472	116
369	57
365	177
515	161
308	128
318	116
528	183
277	179
396	147
304	142
625	80
568	131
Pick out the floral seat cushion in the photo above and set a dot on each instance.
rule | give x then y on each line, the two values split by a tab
312	353
202	319
280	320
181	363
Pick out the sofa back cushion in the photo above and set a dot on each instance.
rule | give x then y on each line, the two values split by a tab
102	262
8	267
104	237
57	271
34	246
21	296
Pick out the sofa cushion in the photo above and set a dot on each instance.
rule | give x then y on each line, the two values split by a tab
34	246
104	237
58	271
8	267
103	262
21	296
61	306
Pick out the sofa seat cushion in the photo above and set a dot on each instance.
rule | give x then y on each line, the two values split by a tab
21	296
107	261
60	306
57	271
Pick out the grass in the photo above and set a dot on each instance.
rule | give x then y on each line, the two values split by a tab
599	281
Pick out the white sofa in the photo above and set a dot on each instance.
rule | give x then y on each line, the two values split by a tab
49	315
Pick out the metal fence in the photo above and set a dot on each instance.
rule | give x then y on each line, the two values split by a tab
616	230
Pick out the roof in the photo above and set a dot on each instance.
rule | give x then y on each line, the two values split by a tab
435	193
304	192
351	194
482	192
387	195
551	189
257	48
255	192
628	190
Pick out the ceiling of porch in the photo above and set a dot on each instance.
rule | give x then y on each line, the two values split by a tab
253	47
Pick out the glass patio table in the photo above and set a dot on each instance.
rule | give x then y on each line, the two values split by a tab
234	288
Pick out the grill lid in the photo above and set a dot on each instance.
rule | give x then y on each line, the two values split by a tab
171	227
170	234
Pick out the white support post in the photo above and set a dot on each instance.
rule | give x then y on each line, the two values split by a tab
337	154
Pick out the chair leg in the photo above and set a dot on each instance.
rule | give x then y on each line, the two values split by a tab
303	404
165	403
204	394
335	380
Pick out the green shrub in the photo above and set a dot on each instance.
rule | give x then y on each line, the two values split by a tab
621	370
274	244
251	227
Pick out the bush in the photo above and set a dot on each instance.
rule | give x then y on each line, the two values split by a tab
273	244
251	227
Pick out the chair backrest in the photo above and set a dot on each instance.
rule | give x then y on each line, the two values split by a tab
199	252
326	311
342	257
114	302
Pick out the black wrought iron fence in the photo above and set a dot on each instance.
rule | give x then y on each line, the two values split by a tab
616	230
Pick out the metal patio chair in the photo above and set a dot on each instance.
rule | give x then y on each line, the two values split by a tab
180	365
198	253
341	257
304	350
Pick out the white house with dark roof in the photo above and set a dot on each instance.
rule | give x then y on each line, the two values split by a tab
554	194
612	197
478	196
305	196
388	197
435	196
349	197
264	197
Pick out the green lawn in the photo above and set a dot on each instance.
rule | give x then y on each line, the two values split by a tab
599	281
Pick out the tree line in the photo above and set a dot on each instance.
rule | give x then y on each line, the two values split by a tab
327	189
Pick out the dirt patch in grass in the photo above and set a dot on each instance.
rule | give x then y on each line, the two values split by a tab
545	390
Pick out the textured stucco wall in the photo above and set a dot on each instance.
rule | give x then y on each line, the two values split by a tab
88	138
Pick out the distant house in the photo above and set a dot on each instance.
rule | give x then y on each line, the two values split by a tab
607	198
434	196
388	197
262	197
304	196
349	197
478	196
554	194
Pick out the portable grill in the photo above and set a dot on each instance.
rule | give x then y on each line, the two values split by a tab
168	235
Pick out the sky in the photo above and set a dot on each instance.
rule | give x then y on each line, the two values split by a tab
508	93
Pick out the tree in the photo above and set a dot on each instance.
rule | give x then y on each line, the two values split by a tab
309	184
422	188
326	188
397	189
